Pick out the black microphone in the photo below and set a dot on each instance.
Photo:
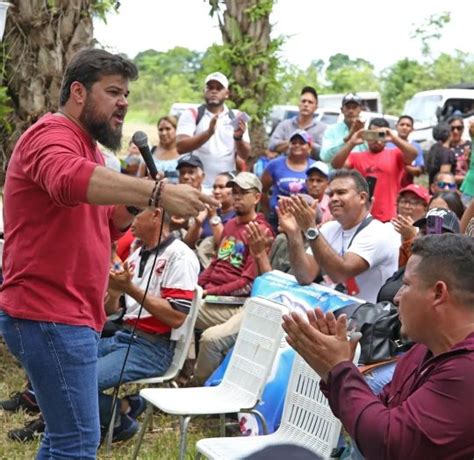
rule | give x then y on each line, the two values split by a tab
140	139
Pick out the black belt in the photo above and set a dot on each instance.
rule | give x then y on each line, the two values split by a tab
153	338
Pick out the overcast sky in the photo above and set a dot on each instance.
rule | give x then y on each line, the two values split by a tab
370	29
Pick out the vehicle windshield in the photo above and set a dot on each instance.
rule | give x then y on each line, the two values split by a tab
423	108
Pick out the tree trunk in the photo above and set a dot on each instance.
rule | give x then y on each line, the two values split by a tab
40	37
245	27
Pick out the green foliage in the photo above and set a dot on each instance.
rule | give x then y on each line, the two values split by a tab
165	78
401	82
345	74
101	8
431	30
293	79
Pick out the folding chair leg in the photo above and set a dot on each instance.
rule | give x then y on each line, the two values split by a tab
183	428
148	417
222	425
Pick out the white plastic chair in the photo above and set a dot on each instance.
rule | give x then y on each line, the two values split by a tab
307	421
181	348
242	385
184	338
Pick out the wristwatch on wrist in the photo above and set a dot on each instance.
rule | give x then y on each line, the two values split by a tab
311	233
215	220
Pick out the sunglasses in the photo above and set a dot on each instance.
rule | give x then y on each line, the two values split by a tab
457	128
446	184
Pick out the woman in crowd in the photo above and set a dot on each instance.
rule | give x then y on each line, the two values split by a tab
286	175
440	156
467	187
448	200
459	146
165	155
412	205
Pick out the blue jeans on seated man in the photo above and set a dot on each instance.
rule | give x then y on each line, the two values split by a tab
60	361
146	359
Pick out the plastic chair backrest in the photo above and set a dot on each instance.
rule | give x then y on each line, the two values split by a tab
306	414
255	349
187	332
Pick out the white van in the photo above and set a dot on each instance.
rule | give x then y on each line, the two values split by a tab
430	107
179	107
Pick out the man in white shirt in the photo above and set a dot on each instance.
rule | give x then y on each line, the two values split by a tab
354	252
215	133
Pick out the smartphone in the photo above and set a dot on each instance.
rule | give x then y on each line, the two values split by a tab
434	225
371	181
373	135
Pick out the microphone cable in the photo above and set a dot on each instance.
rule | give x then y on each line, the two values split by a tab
115	398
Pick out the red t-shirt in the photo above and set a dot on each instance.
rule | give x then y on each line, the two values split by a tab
388	167
57	247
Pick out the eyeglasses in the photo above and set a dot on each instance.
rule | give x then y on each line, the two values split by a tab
405	202
446	184
457	128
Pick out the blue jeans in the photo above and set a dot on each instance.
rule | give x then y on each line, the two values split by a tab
60	361
145	360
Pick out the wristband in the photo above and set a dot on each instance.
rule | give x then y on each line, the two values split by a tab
238	138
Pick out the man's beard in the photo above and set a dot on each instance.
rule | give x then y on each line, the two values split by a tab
214	103
99	128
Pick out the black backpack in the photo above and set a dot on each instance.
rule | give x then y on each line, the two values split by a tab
199	113
380	326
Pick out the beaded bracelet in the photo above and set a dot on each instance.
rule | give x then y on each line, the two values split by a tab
155	197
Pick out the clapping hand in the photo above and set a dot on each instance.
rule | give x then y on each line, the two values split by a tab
404	226
321	340
259	241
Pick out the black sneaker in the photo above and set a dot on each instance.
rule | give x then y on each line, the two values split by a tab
137	405
128	428
29	432
21	400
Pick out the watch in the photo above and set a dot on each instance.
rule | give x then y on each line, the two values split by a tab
311	233
215	220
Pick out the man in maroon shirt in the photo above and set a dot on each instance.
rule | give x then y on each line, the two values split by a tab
58	240
231	273
427	411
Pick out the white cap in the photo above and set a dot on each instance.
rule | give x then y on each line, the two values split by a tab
318	166
217	76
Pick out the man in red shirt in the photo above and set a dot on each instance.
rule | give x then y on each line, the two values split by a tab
59	226
427	410
385	165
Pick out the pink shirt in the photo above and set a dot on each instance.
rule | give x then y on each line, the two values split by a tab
388	167
324	207
57	247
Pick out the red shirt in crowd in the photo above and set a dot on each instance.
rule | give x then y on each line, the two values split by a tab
233	270
426	411
57	247
387	167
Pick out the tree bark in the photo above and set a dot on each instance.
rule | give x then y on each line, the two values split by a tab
40	38
248	35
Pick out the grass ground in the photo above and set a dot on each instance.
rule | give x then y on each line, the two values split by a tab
161	443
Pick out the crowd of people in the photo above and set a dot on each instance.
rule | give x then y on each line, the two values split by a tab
339	205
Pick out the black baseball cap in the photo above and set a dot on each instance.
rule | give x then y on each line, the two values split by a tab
450	220
190	160
351	97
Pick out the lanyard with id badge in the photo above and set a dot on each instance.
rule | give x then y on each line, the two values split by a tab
350	286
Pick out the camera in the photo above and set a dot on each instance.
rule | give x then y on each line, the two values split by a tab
373	135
